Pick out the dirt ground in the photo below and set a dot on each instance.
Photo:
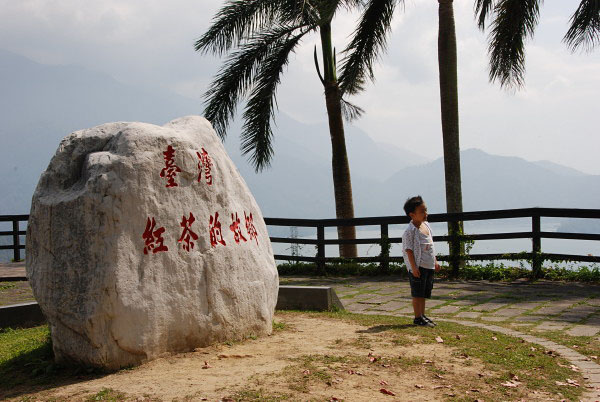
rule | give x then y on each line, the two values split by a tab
307	358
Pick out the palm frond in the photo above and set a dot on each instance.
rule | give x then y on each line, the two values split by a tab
515	21
585	26
483	9
368	41
235	78
256	134
351	111
240	19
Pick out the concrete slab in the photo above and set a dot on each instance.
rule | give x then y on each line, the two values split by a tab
468	314
584	330
308	298
447	309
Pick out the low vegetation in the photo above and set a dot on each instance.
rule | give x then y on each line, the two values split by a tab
491	271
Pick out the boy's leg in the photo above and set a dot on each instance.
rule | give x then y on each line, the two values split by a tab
422	307
416	302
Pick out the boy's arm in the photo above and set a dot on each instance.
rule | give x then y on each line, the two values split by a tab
411	259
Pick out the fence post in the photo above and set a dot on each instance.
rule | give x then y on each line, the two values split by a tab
321	249
454	246
385	248
16	241
536	240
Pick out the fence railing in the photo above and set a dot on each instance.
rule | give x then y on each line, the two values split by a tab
15	233
536	234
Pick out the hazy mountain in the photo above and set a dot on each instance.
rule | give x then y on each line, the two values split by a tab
40	104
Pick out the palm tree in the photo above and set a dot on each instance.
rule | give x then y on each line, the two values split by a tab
513	21
447	64
265	33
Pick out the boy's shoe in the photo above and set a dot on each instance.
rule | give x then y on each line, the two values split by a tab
422	322
428	319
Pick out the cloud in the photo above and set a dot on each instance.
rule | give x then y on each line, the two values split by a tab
150	43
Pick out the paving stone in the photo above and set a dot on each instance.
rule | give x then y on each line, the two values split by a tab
464	302
468	314
584	330
447	309
433	303
493	318
391	306
528	305
488	306
357	308
405	310
594	302
529	318
552	309
550	326
509	312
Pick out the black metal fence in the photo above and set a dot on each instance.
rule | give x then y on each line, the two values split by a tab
536	256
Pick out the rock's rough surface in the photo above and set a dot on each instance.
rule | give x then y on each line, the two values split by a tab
112	200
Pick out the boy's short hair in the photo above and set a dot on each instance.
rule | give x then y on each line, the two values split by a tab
412	203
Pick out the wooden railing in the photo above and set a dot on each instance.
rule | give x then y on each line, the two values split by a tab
15	233
535	256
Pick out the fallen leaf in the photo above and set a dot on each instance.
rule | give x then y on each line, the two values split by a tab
480	375
386	365
511	384
494	338
532	349
457	337
428	362
418	386
594	357
572	382
474	390
514	377
441	386
438	376
333	399
373	359
439	339
382	382
306	372
574	367
206	365
387	392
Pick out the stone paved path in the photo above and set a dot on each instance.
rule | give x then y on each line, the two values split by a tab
12	270
544	305
571	308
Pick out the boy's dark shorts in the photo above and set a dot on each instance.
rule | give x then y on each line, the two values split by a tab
421	287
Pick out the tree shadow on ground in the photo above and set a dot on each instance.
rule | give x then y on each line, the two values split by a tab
36	371
382	328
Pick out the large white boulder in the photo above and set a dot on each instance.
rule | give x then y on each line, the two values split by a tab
145	240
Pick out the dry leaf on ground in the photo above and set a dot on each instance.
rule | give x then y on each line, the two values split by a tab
439	339
387	392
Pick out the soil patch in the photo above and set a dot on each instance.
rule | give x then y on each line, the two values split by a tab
307	358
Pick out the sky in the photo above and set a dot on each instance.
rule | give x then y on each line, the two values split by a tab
149	44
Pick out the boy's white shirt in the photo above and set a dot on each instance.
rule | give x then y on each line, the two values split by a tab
410	241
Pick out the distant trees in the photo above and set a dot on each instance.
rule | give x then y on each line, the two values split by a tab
513	21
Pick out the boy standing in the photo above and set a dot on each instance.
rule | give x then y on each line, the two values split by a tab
419	257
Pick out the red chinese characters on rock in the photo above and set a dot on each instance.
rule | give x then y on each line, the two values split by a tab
187	235
216	236
235	228
206	164
171	169
250	227
153	238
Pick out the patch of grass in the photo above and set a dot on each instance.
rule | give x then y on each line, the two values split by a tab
107	394
7	285
261	395
280	326
500	353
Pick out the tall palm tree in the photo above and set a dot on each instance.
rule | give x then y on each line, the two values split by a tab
513	21
447	64
264	33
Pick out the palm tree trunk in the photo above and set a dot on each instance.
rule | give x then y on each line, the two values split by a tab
449	106
342	184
